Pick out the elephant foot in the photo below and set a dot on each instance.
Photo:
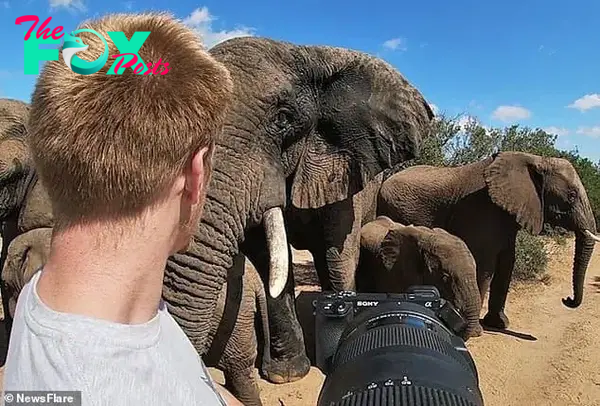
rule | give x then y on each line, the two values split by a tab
475	331
244	387
280	370
496	320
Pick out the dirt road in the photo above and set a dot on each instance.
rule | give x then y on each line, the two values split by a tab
549	358
552	357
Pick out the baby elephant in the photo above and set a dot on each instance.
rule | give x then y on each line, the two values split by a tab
394	257
25	255
236	347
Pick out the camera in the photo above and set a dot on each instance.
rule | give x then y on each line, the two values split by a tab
393	349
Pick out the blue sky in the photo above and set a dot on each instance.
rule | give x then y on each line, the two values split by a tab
509	62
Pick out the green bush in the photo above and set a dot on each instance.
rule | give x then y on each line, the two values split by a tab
558	234
531	257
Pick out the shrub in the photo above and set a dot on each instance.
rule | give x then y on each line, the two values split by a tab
531	257
558	234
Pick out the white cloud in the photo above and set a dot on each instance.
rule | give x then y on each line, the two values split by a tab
434	108
589	101
510	113
5	4
200	20
593	132
395	44
560	131
68	4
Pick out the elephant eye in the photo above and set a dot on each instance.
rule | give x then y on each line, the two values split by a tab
572	195
283	118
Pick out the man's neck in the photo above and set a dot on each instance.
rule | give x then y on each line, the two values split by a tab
116	278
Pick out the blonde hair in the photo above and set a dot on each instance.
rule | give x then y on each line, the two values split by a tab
109	146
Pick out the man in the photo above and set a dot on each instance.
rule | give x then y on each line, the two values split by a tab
126	160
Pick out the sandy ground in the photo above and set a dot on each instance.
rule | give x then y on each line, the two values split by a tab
547	358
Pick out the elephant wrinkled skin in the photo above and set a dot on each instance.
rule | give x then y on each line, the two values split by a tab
332	235
309	126
322	123
25	255
29	251
24	204
485	203
394	257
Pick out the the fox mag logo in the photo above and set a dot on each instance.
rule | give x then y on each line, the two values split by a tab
127	57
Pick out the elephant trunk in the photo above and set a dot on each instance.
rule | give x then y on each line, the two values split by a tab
278	250
472	312
584	246
583	222
194	279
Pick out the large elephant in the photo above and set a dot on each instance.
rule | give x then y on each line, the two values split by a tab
29	251
308	126
24	204
394	256
485	203
332	234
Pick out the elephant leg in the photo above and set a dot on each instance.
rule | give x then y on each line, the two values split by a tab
243	385
342	243
484	286
342	265
240	355
495	316
288	360
9	232
320	263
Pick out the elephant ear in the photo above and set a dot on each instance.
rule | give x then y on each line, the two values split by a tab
400	243
368	119
433	265
515	183
428	248
324	176
391	248
13	159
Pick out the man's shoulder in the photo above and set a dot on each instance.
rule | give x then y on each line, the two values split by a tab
109	370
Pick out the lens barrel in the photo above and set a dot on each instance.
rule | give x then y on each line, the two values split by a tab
400	356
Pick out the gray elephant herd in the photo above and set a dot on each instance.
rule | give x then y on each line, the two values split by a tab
307	159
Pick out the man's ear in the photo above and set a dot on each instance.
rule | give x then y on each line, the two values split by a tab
195	176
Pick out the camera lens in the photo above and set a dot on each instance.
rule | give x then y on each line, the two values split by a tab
400	355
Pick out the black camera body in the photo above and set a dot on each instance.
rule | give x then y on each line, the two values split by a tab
393	349
336	311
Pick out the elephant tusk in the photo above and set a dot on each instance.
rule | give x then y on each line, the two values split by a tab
278	250
592	235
